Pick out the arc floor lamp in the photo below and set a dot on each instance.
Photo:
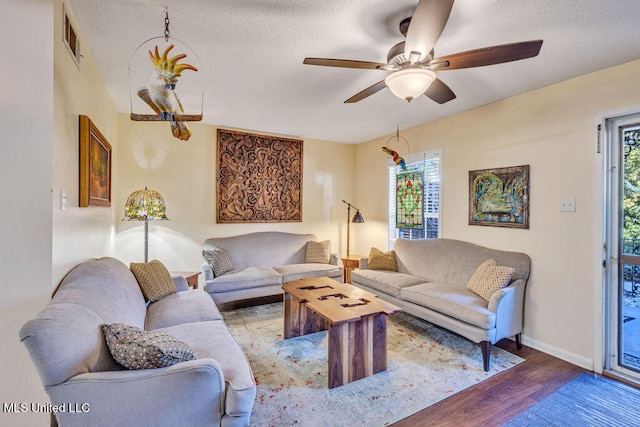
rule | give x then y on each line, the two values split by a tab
357	218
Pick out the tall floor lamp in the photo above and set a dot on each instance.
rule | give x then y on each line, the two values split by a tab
145	205
357	218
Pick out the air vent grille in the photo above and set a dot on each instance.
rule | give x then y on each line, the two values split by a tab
70	37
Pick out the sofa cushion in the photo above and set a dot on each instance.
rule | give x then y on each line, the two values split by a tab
452	301
292	272
135	348
154	279
213	339
379	260
251	277
489	278
384	281
218	259
319	252
183	307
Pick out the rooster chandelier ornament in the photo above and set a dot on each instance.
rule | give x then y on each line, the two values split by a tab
159	91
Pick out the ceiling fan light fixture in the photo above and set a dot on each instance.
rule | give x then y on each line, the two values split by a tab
410	83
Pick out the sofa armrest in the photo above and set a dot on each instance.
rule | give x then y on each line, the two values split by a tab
207	271
508	304
363	263
335	259
187	393
180	282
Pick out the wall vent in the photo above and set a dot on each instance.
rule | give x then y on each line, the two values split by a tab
70	38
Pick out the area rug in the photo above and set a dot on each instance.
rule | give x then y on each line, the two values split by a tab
588	400
425	364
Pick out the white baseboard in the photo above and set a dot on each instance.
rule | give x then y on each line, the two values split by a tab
567	356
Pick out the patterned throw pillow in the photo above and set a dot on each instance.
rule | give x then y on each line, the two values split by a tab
319	252
489	278
154	279
218	259
379	260
135	348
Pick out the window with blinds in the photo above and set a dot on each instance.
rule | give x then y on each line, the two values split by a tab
427	166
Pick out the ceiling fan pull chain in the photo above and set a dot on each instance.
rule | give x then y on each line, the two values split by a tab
166	24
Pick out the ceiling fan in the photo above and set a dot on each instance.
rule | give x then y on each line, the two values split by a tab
412	61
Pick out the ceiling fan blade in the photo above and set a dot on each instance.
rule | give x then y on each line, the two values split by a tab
427	23
488	56
440	92
344	63
367	92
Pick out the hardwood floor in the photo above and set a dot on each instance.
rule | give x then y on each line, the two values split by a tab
502	396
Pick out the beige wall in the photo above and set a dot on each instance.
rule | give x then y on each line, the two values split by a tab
78	233
184	173
26	120
552	130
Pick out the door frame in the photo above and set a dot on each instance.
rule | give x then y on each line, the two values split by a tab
602	158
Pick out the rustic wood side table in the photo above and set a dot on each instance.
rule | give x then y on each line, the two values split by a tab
350	262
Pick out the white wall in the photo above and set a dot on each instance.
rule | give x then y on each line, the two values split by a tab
184	173
552	130
78	233
26	120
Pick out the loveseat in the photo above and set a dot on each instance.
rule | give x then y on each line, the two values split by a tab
257	264
431	283
80	375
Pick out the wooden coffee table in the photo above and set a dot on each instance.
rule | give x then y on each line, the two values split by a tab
356	320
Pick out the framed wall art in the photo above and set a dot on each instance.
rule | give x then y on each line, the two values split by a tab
259	178
410	200
95	166
499	197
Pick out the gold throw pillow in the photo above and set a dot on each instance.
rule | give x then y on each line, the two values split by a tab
379	260
154	279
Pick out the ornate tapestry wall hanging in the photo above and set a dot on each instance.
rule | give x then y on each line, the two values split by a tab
410	200
499	197
259	178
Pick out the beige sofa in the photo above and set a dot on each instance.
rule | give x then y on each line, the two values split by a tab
431	283
67	345
261	263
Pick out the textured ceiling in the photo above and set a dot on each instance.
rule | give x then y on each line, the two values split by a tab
251	51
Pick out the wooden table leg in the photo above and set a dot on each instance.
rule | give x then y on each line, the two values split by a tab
357	349
299	319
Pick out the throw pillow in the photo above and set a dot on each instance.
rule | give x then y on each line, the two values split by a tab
154	279
379	260
319	252
218	259
489	278
135	348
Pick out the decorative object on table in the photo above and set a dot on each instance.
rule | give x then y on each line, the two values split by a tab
158	92
95	166
412	63
410	200
259	178
357	218
499	197
145	205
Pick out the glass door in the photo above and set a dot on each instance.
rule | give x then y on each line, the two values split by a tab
623	213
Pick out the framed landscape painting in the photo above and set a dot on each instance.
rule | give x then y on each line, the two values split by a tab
95	166
499	197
